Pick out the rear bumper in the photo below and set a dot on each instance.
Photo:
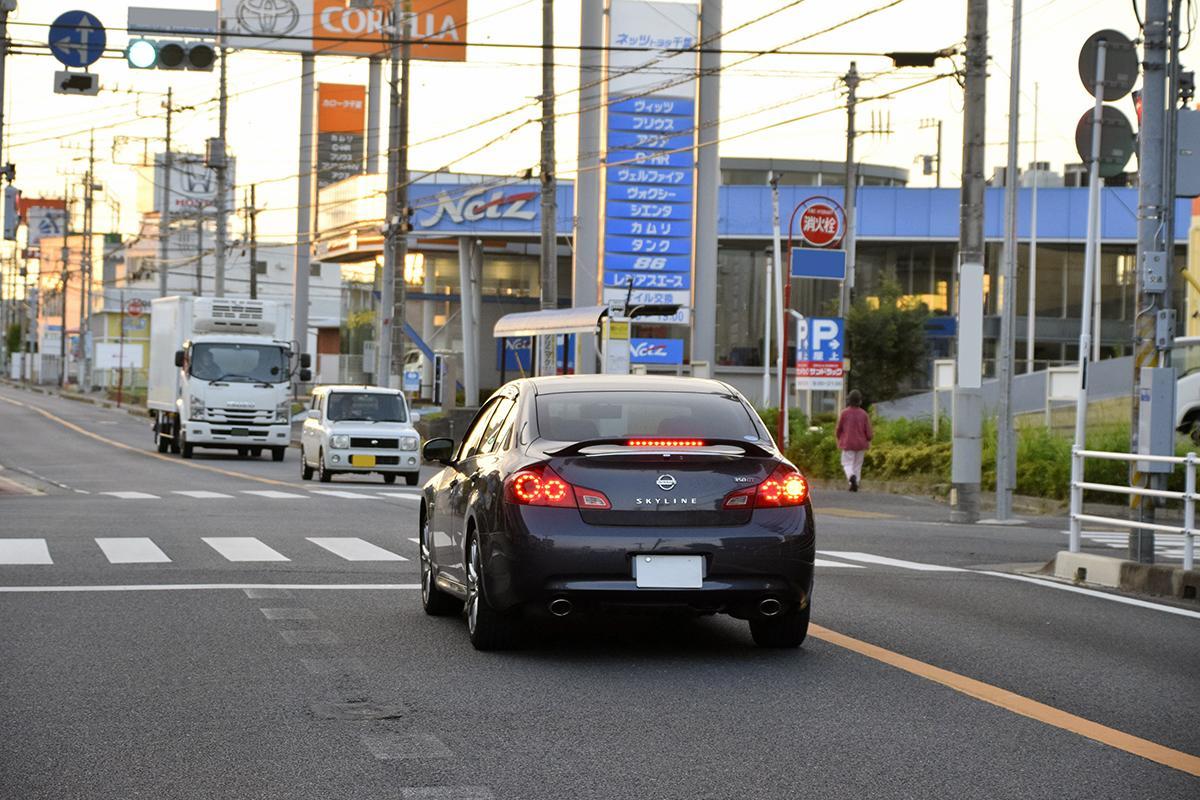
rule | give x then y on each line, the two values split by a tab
545	553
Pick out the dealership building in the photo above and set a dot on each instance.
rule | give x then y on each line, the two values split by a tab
482	232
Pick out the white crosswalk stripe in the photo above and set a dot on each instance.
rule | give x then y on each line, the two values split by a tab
1166	545
132	495
132	550
24	551
243	548
823	562
402	496
355	549
198	495
347	495
870	558
275	495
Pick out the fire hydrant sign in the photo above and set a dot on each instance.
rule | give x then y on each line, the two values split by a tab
819	354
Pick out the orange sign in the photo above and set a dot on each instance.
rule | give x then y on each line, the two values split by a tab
438	28
341	108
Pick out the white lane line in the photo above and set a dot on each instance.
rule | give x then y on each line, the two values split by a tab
414	540
171	587
389	746
821	562
243	548
205	495
132	550
446	793
24	551
1116	598
131	495
401	495
352	548
347	495
274	495
287	613
870	558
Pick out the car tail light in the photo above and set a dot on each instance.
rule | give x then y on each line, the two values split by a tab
785	486
540	485
665	443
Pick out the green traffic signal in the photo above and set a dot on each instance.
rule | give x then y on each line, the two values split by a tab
142	54
170	54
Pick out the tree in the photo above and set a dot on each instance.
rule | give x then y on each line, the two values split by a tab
14	337
886	341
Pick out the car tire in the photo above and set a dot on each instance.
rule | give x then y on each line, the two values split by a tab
789	629
306	472
323	474
412	478
487	628
389	477
277	453
435	602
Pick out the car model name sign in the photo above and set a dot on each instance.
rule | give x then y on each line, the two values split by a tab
819	350
77	39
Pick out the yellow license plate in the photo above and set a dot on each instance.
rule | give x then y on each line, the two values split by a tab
362	461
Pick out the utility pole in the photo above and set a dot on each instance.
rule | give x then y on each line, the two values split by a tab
164	214
390	346
1005	357
1152	246
220	163
966	448
6	7
1031	313
199	253
936	124
547	363
85	267
62	295
252	214
851	80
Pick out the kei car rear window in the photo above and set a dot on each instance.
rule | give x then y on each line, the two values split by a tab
580	416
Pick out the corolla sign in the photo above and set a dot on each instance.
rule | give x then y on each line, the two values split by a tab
477	204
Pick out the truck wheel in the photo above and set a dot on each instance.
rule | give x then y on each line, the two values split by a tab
323	473
243	452
255	452
277	453
185	449
164	444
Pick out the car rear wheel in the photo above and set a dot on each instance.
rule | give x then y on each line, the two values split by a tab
323	473
786	630
487	627
306	472
435	602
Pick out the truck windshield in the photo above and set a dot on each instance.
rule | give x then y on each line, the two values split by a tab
252	363
366	407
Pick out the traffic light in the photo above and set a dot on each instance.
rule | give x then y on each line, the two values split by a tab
170	54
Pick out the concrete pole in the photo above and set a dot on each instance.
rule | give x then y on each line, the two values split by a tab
768	309
585	278
849	201
387	283
85	267
164	214
708	177
1152	210
222	169
390	350
6	7
781	270
1005	356
304	199
966	446
468	290
1031	313
547	363
374	82
1097	300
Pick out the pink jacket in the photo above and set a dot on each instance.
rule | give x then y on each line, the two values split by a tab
854	430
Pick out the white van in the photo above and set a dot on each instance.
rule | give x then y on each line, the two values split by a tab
360	429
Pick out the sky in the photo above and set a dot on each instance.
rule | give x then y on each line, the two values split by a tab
46	135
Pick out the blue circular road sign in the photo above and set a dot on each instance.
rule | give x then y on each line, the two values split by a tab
77	39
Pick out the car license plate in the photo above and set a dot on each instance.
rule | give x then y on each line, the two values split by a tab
240	431
668	572
362	461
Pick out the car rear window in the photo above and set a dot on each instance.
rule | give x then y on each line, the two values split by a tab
579	416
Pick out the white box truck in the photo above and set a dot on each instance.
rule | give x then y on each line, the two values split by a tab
221	371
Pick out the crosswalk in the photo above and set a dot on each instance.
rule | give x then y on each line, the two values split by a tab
413	495
1167	546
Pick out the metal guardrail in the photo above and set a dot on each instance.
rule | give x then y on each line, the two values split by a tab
1188	497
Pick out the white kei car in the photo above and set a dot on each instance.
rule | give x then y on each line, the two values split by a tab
360	429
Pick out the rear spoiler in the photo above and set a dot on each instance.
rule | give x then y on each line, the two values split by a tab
622	446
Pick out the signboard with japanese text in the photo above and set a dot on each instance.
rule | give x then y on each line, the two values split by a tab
341	127
438	27
650	164
820	348
43	217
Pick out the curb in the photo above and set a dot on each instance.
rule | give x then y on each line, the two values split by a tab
136	411
1126	576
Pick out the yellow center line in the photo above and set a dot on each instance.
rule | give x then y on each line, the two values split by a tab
1018	704
207	468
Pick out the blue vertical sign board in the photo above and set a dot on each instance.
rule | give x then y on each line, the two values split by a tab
650	163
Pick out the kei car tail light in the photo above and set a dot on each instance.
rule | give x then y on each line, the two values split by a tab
540	485
785	486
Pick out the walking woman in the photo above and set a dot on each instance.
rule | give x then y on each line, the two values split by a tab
854	437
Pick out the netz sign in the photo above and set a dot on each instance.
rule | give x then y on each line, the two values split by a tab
471	208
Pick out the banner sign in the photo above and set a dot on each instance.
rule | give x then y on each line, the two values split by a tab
650	173
193	186
341	125
438	27
819	351
42	217
514	353
828	265
656	351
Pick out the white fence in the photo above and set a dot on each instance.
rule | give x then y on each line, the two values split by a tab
1187	496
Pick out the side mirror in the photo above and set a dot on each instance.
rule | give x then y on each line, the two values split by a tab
305	360
305	375
313	414
414	417
438	451
179	358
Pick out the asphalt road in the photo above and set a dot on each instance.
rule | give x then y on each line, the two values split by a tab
201	670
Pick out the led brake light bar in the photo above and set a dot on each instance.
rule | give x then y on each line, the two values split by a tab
665	443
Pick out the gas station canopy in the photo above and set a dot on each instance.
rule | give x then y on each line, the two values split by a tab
550	321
